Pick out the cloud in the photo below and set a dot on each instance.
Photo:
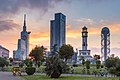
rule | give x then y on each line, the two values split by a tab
8	25
13	6
40	35
94	27
86	21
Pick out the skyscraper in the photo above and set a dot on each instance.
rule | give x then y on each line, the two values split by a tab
58	31
23	44
25	36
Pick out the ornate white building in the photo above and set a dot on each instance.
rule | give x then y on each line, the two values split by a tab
85	53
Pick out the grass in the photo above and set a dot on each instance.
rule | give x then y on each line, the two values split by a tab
43	77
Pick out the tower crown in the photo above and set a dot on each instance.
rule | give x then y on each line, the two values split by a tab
84	29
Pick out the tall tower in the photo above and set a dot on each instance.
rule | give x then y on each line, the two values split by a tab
58	31
85	53
25	36
105	43
84	38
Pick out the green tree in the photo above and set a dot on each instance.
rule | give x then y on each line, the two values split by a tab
96	57
11	60
83	63
113	65
55	66
28	63
38	53
66	51
3	62
98	64
111	61
88	66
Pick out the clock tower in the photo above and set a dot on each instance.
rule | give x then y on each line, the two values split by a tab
84	52
84	38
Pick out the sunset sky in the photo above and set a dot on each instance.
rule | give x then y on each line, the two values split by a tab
95	14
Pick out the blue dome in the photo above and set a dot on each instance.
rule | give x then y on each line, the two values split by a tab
105	30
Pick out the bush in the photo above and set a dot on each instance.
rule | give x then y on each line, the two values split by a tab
28	63
88	64
3	62
30	70
98	64
55	66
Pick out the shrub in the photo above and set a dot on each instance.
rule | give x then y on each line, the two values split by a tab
55	66
98	63
3	62
28	63
88	64
30	70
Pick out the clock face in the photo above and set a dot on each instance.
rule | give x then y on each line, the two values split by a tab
84	34
24	37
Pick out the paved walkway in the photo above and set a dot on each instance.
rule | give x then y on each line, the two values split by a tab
8	76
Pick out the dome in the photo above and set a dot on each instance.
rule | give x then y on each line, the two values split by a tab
105	30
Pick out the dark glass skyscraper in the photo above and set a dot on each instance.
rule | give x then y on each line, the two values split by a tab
58	31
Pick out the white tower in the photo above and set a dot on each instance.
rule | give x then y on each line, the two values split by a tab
85	53
84	38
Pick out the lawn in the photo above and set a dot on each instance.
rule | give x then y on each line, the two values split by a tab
43	77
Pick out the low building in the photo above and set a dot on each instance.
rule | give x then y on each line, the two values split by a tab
4	52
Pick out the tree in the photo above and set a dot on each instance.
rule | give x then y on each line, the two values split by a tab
98	64
66	51
88	66
28	63
55	66
83	63
38	53
3	62
111	61
113	65
96	57
11	60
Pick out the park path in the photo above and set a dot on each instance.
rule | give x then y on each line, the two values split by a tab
8	76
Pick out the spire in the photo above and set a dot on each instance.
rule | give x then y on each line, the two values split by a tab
24	27
24	19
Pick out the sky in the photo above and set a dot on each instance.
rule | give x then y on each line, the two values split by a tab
95	14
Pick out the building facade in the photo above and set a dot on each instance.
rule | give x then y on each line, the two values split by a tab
19	54
58	31
22	51
85	53
4	52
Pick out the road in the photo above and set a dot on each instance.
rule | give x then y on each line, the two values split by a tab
8	76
